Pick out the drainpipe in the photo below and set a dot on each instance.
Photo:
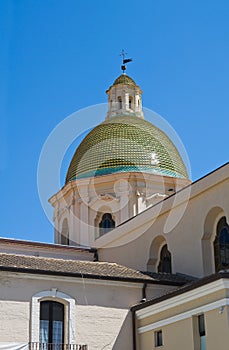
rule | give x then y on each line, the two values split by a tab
134	331
144	292
134	318
96	255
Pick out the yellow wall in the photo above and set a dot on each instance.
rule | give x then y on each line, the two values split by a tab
183	334
217	330
176	336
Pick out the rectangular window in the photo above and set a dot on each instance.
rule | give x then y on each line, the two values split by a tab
158	338
202	333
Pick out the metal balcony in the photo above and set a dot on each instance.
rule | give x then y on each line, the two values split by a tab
52	346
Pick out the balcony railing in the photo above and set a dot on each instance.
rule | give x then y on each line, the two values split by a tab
52	346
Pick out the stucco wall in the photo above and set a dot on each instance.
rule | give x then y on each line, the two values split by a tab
102	316
102	326
11	246
14	324
217	329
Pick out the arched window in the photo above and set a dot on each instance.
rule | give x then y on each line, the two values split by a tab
130	102
221	245
51	325
165	260
120	102
40	312
64	233
106	224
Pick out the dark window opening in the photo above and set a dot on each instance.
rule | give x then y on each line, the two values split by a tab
158	338
202	333
120	102
221	245
165	264
201	325
130	103
51	324
106	224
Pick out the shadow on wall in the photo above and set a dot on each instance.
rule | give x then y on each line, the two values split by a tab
124	339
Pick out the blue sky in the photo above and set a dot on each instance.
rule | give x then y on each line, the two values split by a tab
60	56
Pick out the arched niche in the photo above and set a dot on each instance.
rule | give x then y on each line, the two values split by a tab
104	221
154	253
209	234
64	237
221	245
131	102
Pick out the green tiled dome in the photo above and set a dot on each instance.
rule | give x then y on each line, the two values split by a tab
124	79
126	144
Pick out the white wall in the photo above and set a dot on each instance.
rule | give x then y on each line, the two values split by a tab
101	308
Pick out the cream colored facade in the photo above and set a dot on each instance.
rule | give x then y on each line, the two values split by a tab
97	311
186	222
83	202
100	310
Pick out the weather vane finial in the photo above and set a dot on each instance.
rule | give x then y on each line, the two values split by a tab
124	60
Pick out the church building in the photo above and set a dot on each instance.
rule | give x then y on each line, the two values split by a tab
140	258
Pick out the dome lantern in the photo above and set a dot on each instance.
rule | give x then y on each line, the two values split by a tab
124	98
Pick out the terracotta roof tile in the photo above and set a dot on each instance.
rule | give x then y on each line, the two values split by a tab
77	268
170	277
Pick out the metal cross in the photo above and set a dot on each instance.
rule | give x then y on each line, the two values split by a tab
123	54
